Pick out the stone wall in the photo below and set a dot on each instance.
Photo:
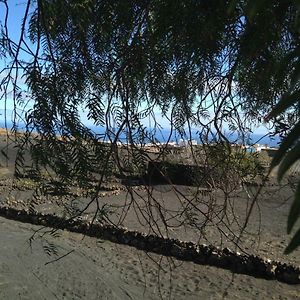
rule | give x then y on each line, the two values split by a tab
186	251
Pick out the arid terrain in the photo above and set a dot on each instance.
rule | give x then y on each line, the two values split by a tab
37	264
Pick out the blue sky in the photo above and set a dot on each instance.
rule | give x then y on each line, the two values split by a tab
16	13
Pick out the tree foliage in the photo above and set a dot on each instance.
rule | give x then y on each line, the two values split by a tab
202	64
289	151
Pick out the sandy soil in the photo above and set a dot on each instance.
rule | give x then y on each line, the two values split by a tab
103	270
97	269
265	235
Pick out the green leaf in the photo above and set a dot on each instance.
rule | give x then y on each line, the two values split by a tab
287	60
294	243
232	6
291	157
288	142
4	153
254	7
294	210
296	74
285	102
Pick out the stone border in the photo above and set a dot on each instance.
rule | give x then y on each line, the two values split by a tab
186	251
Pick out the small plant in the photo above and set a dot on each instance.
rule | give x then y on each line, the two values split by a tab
229	166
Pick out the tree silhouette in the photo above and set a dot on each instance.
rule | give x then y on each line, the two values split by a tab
207	65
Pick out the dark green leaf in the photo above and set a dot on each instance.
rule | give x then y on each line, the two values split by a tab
294	210
294	243
296	74
286	144
4	153
232	6
285	102
291	157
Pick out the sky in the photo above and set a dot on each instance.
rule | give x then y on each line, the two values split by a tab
16	12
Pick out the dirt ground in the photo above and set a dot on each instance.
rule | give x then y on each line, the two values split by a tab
70	266
97	269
